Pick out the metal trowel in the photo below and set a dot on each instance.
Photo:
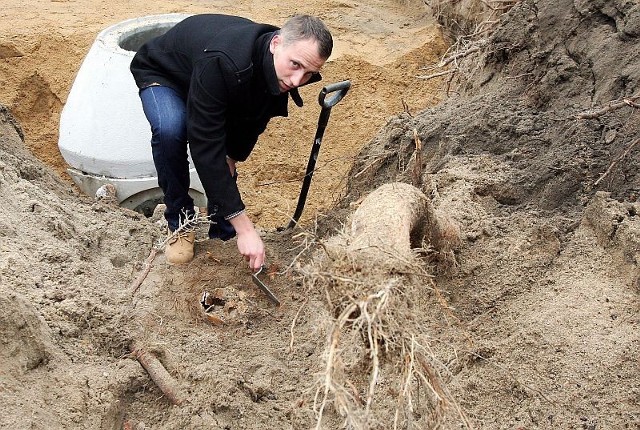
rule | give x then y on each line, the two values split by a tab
256	280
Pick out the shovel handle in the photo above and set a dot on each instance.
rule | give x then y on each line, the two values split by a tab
339	88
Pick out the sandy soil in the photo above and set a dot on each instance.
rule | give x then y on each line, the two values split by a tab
521	314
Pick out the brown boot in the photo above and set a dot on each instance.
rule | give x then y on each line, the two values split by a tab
179	249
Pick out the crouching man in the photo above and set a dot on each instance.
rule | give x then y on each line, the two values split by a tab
212	83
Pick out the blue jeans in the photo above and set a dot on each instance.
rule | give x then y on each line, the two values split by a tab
167	114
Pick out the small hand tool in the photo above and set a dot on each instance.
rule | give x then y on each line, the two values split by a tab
263	287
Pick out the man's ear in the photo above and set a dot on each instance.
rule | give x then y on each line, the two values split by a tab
275	41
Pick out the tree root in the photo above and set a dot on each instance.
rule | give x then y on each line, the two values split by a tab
197	219
374	282
146	267
158	374
615	162
616	104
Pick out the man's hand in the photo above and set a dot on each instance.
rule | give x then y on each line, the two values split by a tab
249	242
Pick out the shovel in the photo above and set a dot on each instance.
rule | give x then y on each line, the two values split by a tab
335	92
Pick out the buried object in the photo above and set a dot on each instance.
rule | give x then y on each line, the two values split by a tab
340	89
228	305
209	302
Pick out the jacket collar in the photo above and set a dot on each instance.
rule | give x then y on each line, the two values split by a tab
265	59
295	95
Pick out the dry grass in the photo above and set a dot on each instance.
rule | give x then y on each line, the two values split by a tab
470	22
469	18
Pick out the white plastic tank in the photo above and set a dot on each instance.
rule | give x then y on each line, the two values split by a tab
104	134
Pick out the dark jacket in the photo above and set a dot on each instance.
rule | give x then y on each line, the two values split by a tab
223	67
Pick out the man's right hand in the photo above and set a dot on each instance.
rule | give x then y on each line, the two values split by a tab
250	244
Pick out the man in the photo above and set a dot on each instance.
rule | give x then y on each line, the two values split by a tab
215	81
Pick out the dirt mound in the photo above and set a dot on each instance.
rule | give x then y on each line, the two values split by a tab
526	97
534	155
56	247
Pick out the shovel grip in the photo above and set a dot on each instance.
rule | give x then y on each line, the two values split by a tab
339	88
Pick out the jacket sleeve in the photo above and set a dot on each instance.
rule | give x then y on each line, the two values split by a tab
207	105
242	135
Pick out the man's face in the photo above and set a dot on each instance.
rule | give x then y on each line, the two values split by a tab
295	62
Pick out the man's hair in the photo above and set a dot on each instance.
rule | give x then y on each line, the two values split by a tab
302	27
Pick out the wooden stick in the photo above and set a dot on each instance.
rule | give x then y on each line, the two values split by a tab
159	375
416	173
